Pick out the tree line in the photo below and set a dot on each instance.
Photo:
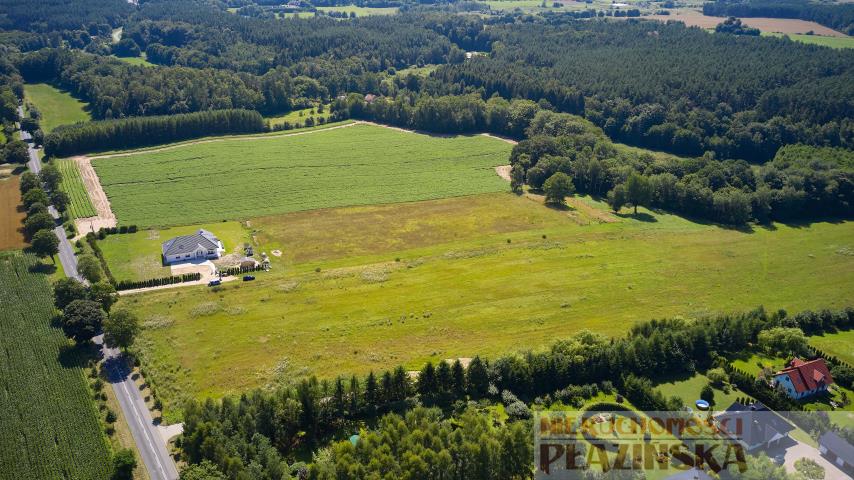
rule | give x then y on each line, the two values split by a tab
143	131
801	182
261	431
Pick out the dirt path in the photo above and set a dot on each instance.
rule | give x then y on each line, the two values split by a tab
105	218
503	171
203	281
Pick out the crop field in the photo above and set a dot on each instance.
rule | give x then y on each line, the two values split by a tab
370	287
56	106
832	42
49	427
241	178
693	18
837	344
136	256
11	214
72	184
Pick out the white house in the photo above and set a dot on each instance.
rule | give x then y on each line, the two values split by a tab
200	245
803	379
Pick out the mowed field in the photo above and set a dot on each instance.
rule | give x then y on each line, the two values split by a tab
49	426
72	184
241	178
840	344
11	214
368	288
56	106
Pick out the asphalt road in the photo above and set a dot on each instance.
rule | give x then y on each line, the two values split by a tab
151	446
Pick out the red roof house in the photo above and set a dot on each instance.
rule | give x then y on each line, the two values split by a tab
802	379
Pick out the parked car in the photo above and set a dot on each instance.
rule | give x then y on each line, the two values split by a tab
214	283
248	278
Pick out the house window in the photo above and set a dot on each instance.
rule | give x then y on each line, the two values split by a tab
210	252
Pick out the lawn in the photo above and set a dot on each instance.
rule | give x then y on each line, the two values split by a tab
137	256
72	184
57	107
840	344
241	178
688	389
367	288
753	363
50	426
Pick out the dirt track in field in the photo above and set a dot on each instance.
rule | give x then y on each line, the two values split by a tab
105	218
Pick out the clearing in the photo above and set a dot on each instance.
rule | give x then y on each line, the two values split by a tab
11	214
50	426
360	11
837	344
367	288
57	106
240	178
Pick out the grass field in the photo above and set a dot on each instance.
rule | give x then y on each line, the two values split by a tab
688	389
11	214
72	184
56	106
239	178
140	60
460	289
136	256
840	345
299	116
49	427
832	42
361	11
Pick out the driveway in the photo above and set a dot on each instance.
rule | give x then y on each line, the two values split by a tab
794	450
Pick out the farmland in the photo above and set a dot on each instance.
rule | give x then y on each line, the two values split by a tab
371	287
11	214
72	184
693	18
241	178
360	11
832	42
49	427
56	106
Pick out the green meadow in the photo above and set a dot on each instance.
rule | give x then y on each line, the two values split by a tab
360	11
57	107
832	42
840	344
370	287
239	178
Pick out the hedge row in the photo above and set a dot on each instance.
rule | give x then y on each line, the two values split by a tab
157	282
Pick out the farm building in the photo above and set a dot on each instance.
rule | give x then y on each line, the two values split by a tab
754	426
200	245
803	379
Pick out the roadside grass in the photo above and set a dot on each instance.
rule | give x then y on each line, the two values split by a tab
72	184
839	344
821	40
369	288
239	179
57	107
11	214
137	256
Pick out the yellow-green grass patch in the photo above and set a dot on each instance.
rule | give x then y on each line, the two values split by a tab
300	116
360	11
824	41
239	178
405	288
688	389
137	256
142	60
57	106
840	345
72	184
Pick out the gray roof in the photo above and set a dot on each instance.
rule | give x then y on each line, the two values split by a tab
759	423
838	446
189	243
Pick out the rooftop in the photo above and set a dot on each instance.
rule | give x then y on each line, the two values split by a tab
189	243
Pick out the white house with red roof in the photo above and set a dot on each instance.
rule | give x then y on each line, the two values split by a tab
803	379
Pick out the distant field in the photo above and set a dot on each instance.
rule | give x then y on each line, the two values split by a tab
300	116
360	11
56	106
49	427
832	42
136	256
72	184
140	60
239	178
839	344
408	282
694	18
11	214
